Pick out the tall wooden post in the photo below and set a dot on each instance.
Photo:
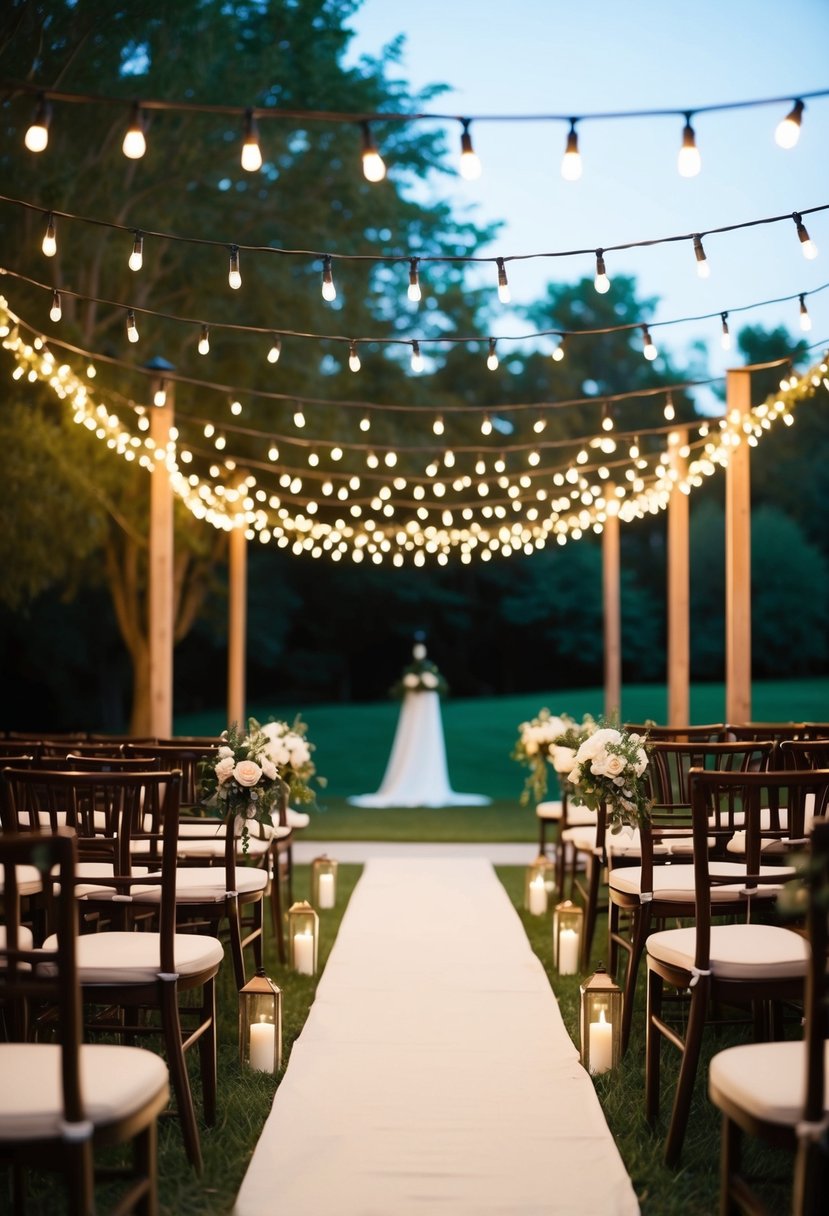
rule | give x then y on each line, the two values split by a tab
611	588
738	559
237	625
160	624
679	635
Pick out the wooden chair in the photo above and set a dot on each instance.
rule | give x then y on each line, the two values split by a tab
10	749
61	1100
121	817
744	963
777	1091
777	731
712	732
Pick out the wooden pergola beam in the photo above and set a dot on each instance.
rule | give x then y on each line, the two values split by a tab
679	632
611	594
738	558
160	623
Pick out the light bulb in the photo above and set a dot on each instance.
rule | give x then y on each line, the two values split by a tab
134	145
486	425
470	165
55	310
725	339
607	419
805	319
703	269
353	357
689	161
275	350
503	286
414	281
437	426
365	423
601	281
329	291
669	413
50	243
251	152
633	451
648	349
787	132
492	358
37	135
299	417
806	243
204	341
571	161
136	259
236	408
234	275
374	169
132	328
417	358
160	395
539	425
558	353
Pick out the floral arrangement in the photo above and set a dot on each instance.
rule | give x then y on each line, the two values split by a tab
290	751
609	767
420	676
548	738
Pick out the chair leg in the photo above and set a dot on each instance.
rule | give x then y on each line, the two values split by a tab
258	928
208	1063
236	952
277	910
542	836
177	1065
639	929
146	1166
653	1046
697	1017
730	1165
591	910
81	1180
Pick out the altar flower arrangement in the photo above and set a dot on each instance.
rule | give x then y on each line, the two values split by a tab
609	767
420	676
548	739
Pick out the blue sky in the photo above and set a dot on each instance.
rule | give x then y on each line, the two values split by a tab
534	57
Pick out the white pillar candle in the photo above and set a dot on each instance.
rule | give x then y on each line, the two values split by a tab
538	896
304	952
262	1043
601	1044
326	890
568	952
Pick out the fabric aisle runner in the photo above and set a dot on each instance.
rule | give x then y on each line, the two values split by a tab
434	1072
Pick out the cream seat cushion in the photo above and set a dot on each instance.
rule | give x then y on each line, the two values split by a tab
622	844
672	882
29	880
25	941
115	1083
295	819
548	810
767	1080
133	958
739	952
201	884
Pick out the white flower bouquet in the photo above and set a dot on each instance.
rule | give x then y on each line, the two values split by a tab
548	738
609	768
420	676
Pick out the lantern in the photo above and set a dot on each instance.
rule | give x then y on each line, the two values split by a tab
260	1024
323	882
568	919
303	932
539	885
600	1019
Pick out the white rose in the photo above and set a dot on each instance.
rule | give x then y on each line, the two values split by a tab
641	762
298	750
598	765
224	769
247	772
574	777
273	730
277	752
430	680
563	758
269	768
614	765
594	743
224	752
411	680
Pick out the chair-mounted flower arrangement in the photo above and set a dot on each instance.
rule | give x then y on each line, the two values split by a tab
548	739
609	767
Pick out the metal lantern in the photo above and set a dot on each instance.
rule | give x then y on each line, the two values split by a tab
568	921
324	882
539	885
260	1024
600	1018
303	935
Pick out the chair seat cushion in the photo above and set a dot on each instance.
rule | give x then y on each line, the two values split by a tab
550	809
25	941
739	952
779	847
214	846
99	870
204	884
765	1079
133	958
676	882
29	880
116	1082
295	819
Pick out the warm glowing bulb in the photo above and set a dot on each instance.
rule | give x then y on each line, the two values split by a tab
374	169
55	310
571	161
329	291
204	341
299	417
132	328
805	319
134	145
251	152
470	166
539	425
486	425
703	269
725	339
669	412
50	243
437	426
417	358
787	132
607	420
648	350
503	286
558	353
365	423
806	243
136	259
633	452
275	351
37	135
492	358
689	161
236	408
601	282
160	396
414	282
234	275
353	358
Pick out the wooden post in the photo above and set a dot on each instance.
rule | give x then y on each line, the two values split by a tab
611	586
679	636
160	623
738	558
237	626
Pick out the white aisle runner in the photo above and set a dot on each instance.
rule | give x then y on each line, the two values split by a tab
434	1073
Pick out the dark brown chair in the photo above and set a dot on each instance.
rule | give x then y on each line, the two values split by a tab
712	732
12	748
777	731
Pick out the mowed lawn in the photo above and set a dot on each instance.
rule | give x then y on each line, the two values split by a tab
353	744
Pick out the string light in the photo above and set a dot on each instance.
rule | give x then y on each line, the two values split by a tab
353	357
437	426
571	161
251	152
160	395
807	245
540	424
299	417
234	274
486	427
601	282
37	134
275	350
492	358
703	269
329	291
503	286
648	349
55	311
669	411
633	450
50	242
787	132
417	358
414	281
374	169
470	165
725	339
689	161
136	258
132	328
365	423
236	408
135	143
607	417
558	351
805	319
204	341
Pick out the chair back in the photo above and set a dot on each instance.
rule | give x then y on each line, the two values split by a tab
805	753
59	748
10	749
186	758
777	731
713	732
815	730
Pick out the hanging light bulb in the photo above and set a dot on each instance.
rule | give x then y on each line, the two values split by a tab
299	417
365	423
492	358
571	161
633	450
607	418
540	424
648	349
669	412
601	281
558	352
234	274
160	395
417	358
503	286
50	242
470	166
329	291
353	357
55	312
689	161
236	408
136	258
725	339
251	152
787	132
132	328
806	243
135	143
703	269
37	134
805	319
374	170
486	425
414	281
275	350
204	341
437	426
